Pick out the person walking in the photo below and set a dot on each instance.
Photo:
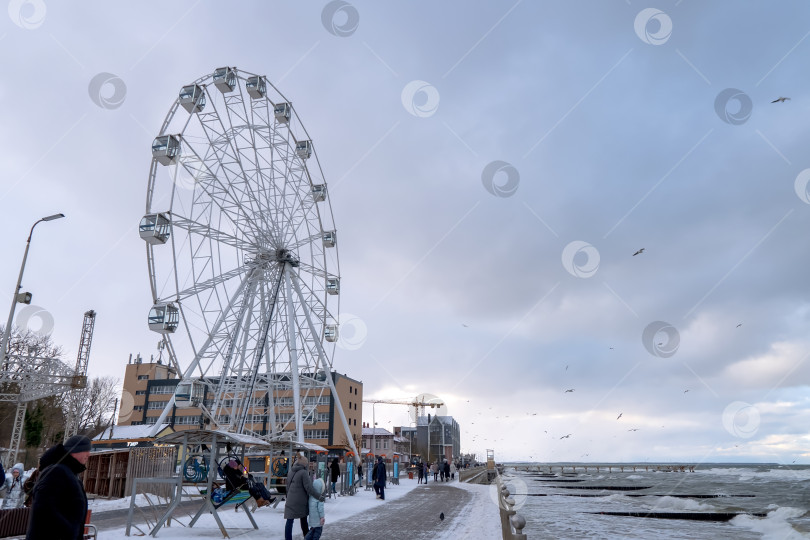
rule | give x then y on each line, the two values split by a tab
453	470
435	470
335	472
60	504
380	476
299	489
317	514
441	471
13	488
426	471
420	472
446	471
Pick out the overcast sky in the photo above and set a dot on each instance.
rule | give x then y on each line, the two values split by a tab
492	172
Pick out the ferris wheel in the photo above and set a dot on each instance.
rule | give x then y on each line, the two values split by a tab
242	255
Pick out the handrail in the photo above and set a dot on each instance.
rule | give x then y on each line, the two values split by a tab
512	523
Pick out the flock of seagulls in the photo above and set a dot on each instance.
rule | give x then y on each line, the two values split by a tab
571	390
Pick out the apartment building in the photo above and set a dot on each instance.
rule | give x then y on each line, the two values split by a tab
148	386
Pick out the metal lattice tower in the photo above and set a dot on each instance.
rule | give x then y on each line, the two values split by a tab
37	377
80	375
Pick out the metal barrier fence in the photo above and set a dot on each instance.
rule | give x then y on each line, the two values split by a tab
512	523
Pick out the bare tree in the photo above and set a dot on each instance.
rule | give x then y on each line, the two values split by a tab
97	404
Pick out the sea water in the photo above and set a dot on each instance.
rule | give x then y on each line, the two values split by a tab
780	491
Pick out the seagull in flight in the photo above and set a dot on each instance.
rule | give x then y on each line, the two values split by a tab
565	436
639	252
569	390
620	415
685	391
739	325
780	100
465	325
633	429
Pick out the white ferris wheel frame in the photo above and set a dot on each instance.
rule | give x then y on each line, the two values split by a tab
250	251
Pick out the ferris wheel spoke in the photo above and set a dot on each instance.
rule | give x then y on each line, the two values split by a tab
221	194
260	115
229	162
194	227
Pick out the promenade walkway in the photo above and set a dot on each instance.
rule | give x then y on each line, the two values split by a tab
412	517
410	512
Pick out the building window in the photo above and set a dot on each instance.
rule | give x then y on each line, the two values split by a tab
355	406
187	420
355	391
350	389
143	377
137	408
167	389
155	405
316	433
140	392
355	421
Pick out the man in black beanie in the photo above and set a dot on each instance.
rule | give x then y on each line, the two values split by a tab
60	504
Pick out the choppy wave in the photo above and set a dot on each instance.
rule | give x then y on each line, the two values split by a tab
775	526
764	473
780	492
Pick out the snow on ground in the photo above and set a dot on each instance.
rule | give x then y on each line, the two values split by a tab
481	520
478	521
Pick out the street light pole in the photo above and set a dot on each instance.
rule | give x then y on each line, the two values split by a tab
373	430
14	297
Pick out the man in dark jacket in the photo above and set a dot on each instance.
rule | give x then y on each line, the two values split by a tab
299	488
60	504
379	478
334	470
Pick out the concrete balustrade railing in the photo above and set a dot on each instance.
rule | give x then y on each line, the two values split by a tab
512	523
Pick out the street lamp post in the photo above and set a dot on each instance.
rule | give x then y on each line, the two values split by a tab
16	296
373	430
4	346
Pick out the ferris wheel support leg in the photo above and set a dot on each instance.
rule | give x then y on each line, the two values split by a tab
16	435
322	361
198	357
296	384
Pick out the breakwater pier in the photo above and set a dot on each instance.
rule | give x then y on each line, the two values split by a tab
598	468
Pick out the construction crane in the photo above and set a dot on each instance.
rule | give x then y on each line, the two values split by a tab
416	403
74	400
